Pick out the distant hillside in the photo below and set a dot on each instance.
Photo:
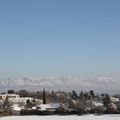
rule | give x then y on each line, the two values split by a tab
101	84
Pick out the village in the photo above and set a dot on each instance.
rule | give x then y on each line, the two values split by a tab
43	102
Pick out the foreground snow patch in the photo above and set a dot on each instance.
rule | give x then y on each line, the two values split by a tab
87	117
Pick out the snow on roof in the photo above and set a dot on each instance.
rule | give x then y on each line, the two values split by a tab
97	104
115	99
14	100
16	108
34	108
9	95
49	106
24	99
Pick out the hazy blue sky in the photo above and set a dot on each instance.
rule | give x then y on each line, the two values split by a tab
59	37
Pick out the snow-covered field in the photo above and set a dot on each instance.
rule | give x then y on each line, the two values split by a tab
87	117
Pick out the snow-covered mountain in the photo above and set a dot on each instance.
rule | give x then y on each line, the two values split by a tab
101	84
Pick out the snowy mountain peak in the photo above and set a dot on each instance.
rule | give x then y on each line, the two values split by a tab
100	84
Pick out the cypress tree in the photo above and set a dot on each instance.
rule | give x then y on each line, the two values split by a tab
44	96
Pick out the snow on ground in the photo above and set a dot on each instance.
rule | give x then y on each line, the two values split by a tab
86	117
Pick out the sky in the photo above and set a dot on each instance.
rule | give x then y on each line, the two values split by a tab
59	38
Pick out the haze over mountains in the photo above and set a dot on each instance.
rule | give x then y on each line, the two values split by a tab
101	84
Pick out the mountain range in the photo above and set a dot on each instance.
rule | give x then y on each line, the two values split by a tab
100	84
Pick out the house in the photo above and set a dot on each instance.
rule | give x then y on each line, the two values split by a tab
49	107
9	96
23	100
15	110
114	100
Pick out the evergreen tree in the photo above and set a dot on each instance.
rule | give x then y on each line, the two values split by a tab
28	104
106	100
87	96
81	95
74	95
92	94
6	103
11	91
44	96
